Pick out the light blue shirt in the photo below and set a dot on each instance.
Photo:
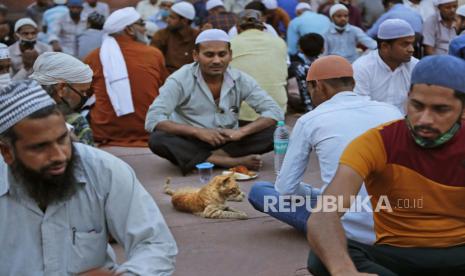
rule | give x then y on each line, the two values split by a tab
328	129
399	11
71	237
308	22
345	44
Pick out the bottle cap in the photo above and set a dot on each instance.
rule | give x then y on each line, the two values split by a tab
281	123
206	165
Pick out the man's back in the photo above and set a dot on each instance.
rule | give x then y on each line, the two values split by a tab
399	11
308	22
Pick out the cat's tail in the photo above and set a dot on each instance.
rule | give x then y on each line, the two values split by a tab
166	187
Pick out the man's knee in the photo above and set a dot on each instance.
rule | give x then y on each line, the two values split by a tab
261	194
158	142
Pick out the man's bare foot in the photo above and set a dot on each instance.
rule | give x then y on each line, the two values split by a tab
252	162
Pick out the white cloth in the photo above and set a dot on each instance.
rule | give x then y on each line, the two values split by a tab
328	129
212	35
374	78
335	8
268	28
184	9
53	67
114	66
270	4
440	2
303	6
461	11
425	8
4	52
146	9
213	4
23	22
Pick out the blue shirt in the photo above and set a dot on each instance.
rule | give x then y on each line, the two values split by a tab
288	6
345	44
457	47
399	11
308	22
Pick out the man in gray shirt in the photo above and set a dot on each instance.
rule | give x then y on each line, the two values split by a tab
439	29
195	117
60	201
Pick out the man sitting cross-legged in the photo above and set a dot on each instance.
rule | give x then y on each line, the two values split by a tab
195	118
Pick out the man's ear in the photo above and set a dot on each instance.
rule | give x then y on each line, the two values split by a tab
7	152
129	31
195	55
60	89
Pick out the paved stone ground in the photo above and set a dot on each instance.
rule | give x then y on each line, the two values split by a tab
257	246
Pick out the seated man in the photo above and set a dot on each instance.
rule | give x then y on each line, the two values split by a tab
414	170
340	116
60	202
67	80
195	118
5	66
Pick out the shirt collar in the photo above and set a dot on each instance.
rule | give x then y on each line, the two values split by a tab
341	97
333	29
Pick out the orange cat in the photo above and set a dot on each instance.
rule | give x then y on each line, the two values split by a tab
208	201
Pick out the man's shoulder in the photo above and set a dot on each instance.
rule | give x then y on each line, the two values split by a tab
96	159
368	60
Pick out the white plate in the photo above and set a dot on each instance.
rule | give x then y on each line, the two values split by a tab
240	176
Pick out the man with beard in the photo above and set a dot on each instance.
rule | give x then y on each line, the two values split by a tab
439	29
60	202
67	80
384	75
195	118
177	41
415	167
127	75
91	6
68	27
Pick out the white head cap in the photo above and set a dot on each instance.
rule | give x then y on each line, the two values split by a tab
23	22
212	35
270	4
213	4
336	8
59	2
395	28
461	11
4	52
303	6
440	2
184	9
120	19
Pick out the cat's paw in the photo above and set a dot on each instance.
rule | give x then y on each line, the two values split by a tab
242	215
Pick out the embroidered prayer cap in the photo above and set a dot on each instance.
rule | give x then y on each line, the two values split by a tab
20	99
213	4
270	4
4	52
120	19
24	22
212	35
337	7
440	2
53	67
461	11
441	70
395	28
184	9
303	6
330	67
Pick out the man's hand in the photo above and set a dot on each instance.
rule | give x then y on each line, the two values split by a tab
232	135
210	136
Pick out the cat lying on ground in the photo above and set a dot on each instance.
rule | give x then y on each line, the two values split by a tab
208	201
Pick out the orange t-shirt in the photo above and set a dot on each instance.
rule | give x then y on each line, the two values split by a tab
425	187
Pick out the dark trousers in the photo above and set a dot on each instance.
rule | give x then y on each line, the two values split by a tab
386	260
186	152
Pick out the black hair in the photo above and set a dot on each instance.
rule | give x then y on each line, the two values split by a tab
96	21
460	95
311	44
197	47
388	41
387	2
256	5
10	135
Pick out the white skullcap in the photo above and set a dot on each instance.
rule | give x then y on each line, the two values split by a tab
303	6
212	35
59	2
4	52
337	7
120	19
184	9
461	11
270	4
395	28
440	2
23	22
213	4
54	67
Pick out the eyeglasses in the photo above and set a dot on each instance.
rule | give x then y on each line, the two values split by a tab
84	94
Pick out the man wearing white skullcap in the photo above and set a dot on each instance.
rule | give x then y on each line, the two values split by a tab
67	80
177	41
65	199
24	51
439	29
195	118
460	20
384	74
5	66
276	16
127	75
342	38
218	17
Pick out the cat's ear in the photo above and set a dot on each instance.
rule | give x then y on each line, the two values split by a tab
226	179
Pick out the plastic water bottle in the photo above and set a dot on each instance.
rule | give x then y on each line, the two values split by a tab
281	140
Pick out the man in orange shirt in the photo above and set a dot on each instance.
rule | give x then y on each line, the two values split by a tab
127	75
414	169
